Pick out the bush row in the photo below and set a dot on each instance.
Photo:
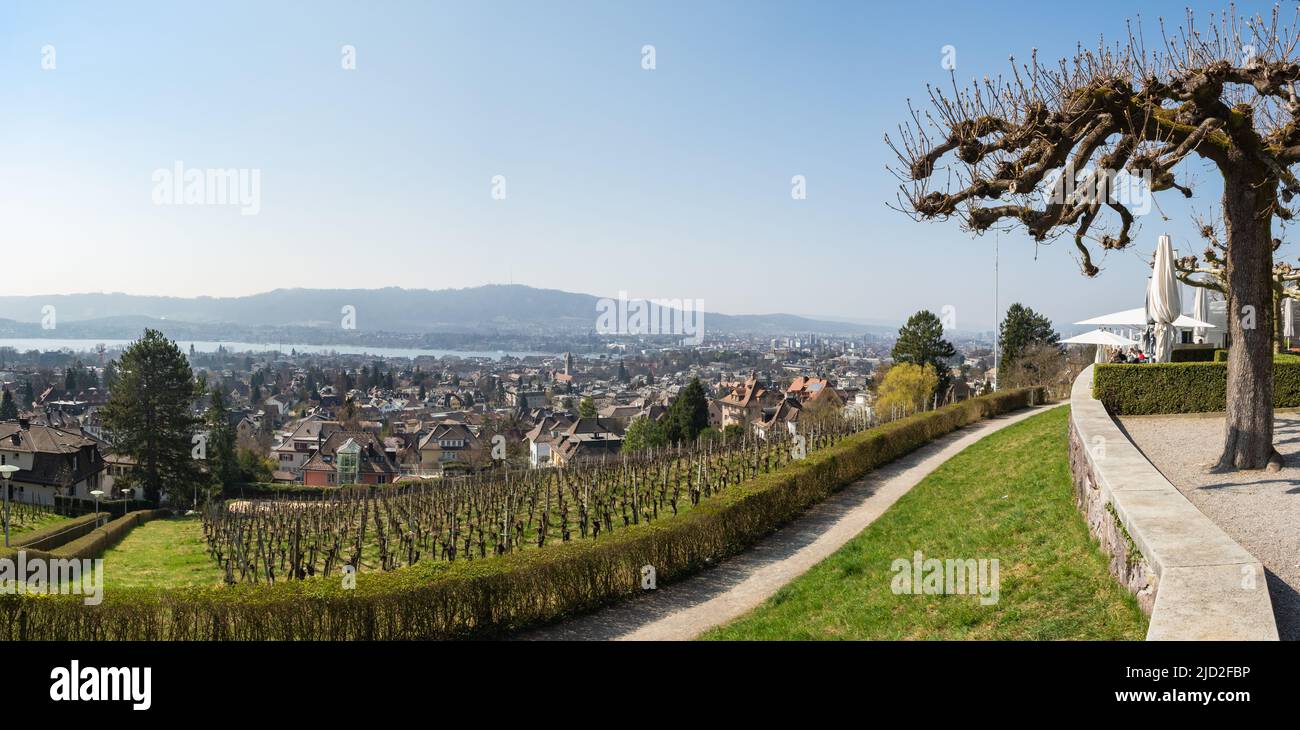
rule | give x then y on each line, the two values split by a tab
1222	356
1188	387
95	542
52	536
82	505
494	596
89	542
264	490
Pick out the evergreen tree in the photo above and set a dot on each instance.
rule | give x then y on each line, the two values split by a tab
689	414
920	342
223	465
149	419
8	409
1021	328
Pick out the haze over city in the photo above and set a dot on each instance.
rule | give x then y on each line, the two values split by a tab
671	181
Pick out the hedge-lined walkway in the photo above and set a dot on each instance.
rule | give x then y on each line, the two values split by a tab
686	609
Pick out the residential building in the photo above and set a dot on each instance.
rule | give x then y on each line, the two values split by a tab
745	403
449	442
350	457
51	461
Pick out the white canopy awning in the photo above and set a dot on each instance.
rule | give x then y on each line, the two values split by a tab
1100	337
1138	318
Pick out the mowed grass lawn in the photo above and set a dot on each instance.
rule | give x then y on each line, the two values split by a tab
1008	496
166	553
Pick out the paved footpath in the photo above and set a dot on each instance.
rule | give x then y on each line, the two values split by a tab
685	609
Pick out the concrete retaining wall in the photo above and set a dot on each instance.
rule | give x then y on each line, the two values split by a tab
1195	581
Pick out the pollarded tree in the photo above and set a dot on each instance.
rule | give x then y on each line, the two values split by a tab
1045	148
1210	272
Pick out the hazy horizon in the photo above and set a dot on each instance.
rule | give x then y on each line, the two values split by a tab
671	182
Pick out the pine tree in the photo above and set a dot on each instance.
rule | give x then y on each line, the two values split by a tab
223	464
689	414
148	417
1021	328
921	342
8	409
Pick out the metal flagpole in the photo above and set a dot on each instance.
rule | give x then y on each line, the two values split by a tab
997	315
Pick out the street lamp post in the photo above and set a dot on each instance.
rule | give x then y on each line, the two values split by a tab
7	470
97	494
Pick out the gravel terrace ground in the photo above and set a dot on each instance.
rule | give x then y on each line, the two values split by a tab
1260	510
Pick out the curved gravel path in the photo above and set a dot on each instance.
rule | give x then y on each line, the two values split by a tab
1258	509
687	608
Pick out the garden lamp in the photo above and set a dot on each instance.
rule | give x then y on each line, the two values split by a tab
97	494
7	471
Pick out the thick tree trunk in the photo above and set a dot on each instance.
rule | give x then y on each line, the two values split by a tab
1248	434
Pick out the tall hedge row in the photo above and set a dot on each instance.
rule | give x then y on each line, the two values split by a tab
52	536
86	541
494	596
1186	387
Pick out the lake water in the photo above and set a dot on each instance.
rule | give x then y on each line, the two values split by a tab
90	346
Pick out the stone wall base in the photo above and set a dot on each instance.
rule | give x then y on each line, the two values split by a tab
1127	564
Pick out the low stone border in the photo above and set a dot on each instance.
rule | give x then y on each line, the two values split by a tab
1194	580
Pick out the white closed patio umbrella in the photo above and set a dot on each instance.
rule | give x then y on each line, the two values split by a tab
1164	300
1288	319
1201	311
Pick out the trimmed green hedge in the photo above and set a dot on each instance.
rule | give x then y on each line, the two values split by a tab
52	536
264	490
1222	356
97	541
90	542
86	505
494	596
1188	387
1193	354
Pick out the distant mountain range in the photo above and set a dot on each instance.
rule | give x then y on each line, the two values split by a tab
508	310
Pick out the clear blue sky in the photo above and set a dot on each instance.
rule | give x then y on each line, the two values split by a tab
666	183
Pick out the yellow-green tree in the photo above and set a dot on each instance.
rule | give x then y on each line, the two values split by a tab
906	388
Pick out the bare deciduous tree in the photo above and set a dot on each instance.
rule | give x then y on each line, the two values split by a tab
1053	148
1210	272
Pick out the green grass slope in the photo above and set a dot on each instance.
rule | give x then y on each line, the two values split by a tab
1008	497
